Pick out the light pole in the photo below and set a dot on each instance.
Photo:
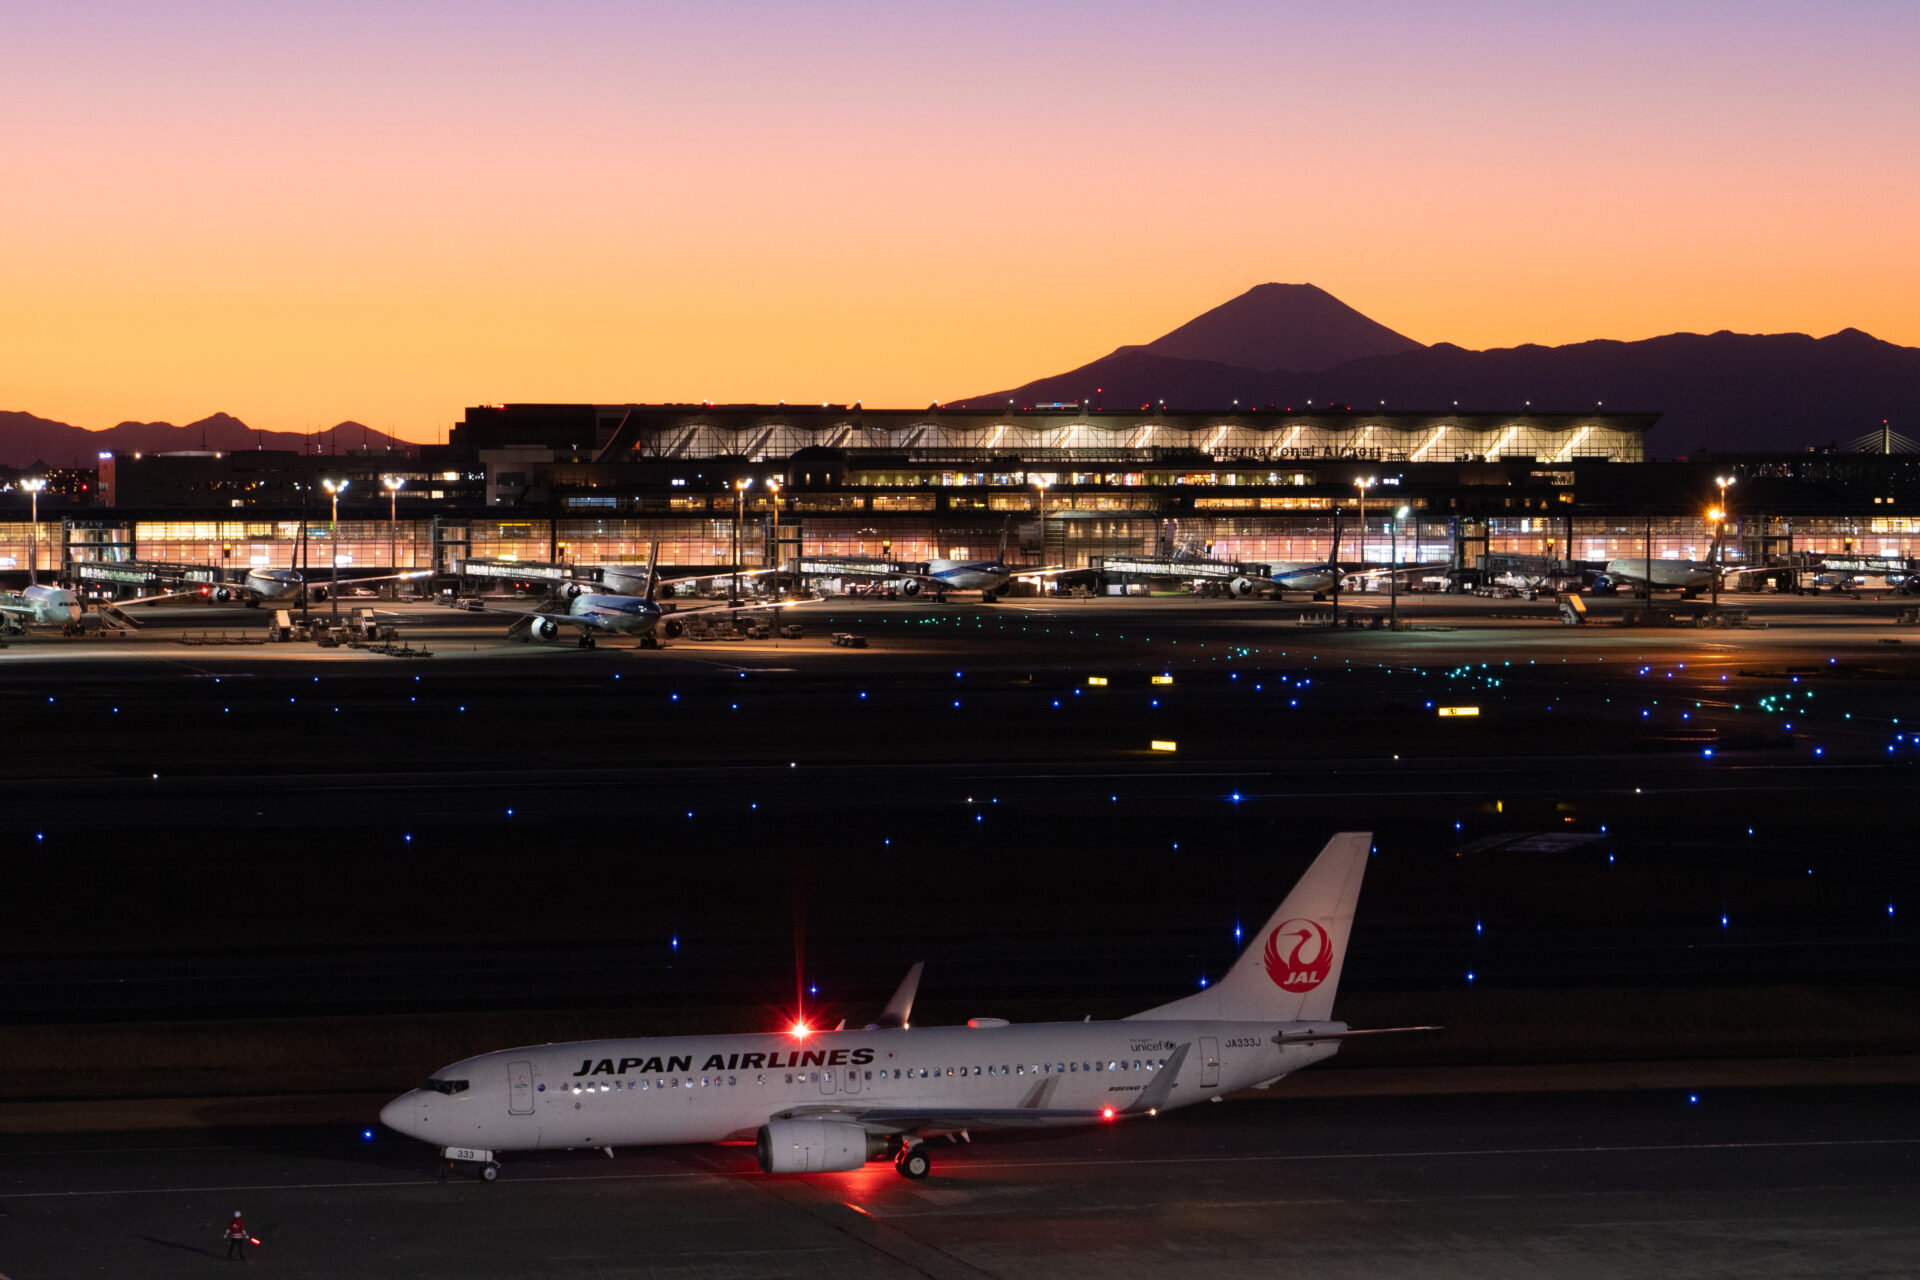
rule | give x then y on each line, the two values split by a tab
773	558
1719	537
33	488
740	488
394	485
1041	485
334	488
1393	570
1363	486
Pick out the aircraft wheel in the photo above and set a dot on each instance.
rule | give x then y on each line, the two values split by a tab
489	1171
914	1163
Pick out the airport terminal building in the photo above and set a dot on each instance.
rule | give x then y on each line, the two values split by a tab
1069	484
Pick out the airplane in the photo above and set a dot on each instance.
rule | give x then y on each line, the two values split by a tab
1686	576
607	614
285	586
989	577
39	606
824	1102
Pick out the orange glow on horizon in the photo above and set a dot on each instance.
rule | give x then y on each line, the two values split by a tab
357	212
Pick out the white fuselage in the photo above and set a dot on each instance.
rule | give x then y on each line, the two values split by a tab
619	615
969	575
1305	577
1673	575
606	1093
44	606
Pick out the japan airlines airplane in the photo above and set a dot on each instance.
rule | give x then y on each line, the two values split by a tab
823	1102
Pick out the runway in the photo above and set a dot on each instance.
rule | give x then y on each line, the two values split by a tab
1775	1182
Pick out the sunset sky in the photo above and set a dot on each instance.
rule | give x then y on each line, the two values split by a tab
388	211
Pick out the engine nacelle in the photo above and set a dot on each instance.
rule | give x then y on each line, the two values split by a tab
1603	585
672	628
816	1146
545	629
1240	588
222	594
572	591
911	587
318	593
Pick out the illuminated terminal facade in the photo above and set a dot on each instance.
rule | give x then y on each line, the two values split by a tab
599	483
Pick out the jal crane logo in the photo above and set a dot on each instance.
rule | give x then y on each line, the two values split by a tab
1299	956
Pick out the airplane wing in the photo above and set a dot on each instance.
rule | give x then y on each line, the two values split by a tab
1031	1113
1396	571
1042	571
14	607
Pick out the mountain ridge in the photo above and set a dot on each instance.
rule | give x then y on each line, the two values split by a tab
27	438
1779	392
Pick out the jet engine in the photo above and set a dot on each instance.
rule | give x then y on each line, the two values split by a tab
1240	588
1603	585
222	594
318	593
672	628
544	628
816	1146
910	587
572	591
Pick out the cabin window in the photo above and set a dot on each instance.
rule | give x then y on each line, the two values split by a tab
1073	1066
731	1082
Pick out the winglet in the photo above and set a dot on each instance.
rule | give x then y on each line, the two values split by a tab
900	1008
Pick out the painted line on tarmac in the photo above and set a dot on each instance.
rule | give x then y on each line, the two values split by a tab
1476	1152
338	1186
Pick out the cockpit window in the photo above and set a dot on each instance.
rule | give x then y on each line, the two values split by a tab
446	1086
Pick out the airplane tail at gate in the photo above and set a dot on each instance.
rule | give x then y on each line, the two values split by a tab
1000	557
653	568
1291	968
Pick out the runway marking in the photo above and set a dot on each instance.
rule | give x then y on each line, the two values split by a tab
1429	1155
340	1186
1809	1144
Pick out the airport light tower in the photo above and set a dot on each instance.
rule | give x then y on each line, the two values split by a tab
740	488
1719	536
33	488
1393	570
334	489
394	484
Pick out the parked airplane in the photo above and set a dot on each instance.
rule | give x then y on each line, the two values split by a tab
815	1102
39	606
285	586
606	614
989	577
1687	576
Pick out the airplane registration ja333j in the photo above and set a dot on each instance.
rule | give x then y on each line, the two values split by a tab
820	1102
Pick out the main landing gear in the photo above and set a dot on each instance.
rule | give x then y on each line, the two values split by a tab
913	1161
586	639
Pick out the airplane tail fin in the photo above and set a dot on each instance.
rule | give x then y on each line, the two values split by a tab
1333	551
1000	557
653	567
900	1008
1291	968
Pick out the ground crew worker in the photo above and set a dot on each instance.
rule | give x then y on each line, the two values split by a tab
237	1238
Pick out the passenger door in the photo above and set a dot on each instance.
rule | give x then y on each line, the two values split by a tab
520	1088
1209	1062
826	1080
